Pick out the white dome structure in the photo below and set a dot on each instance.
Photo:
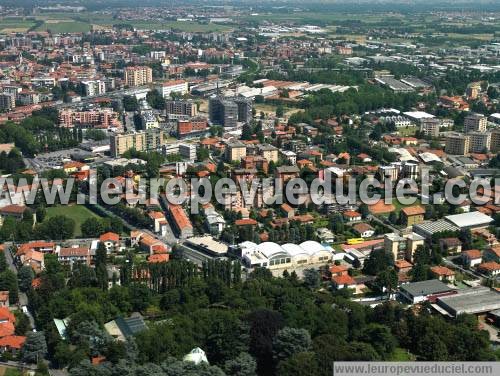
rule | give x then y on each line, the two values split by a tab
273	255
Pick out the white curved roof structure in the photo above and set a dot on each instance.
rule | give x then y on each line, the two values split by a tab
294	249
270	249
312	247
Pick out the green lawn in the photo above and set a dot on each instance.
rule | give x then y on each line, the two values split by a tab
407	132
401	355
11	372
79	213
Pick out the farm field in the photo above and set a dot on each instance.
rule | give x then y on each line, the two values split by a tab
14	25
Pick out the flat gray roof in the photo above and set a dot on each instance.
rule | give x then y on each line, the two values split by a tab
473	300
433	227
469	219
424	288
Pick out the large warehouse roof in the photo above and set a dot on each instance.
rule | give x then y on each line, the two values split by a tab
474	300
472	219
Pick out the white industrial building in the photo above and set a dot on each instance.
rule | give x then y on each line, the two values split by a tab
274	256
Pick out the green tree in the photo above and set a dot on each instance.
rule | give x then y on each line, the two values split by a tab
312	278
25	276
58	227
3	261
243	365
34	348
8	282
299	364
92	228
101	270
290	341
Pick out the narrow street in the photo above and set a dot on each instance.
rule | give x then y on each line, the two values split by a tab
23	298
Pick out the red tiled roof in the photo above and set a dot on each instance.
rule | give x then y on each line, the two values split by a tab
472	253
413	210
245	221
351	213
338	269
13	209
6	329
489	266
442	271
159	257
6	315
109	237
76	251
12	342
180	217
343	280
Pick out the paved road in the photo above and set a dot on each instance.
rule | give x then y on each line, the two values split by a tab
378	220
23	298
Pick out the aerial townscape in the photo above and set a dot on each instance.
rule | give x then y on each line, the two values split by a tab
189	187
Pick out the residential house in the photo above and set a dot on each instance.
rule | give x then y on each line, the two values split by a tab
352	216
288	210
492	254
286	173
472	257
8	340
111	241
73	255
413	215
403	266
450	245
160	223
443	273
490	268
364	230
14	211
180	220
341	278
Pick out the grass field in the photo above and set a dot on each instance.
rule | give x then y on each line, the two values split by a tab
4	371
79	213
64	26
408	131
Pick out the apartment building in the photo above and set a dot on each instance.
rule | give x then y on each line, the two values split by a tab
235	151
229	111
7	101
152	139
187	108
269	152
149	120
480	141
104	118
175	86
475	122
194	125
402	247
495	141
457	144
137	76
95	87
430	127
